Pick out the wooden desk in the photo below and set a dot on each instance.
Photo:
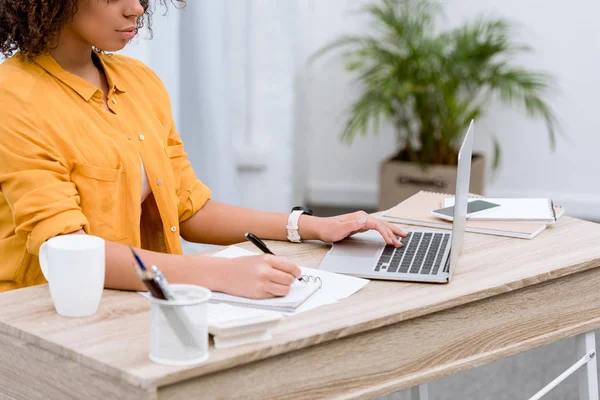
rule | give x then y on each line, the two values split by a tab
507	296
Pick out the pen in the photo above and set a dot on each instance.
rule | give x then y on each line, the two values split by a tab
263	247
162	282
148	278
137	259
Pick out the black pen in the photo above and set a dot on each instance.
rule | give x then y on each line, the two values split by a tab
263	247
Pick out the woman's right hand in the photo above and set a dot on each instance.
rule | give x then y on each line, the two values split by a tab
258	277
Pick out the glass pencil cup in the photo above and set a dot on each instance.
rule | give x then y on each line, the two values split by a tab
179	328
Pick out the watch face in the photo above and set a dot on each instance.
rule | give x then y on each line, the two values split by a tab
306	210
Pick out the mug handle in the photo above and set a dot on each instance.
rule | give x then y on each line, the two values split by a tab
43	256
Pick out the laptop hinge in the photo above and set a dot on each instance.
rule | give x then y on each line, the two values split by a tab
447	264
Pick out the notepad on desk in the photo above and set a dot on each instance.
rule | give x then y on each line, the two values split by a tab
333	287
234	326
537	210
298	294
229	320
416	210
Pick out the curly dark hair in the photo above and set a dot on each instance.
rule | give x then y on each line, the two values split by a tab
31	26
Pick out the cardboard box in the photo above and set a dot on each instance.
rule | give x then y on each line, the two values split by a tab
399	180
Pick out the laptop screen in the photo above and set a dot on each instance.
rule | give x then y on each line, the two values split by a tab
463	178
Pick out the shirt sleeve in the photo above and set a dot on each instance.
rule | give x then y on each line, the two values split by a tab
192	193
35	181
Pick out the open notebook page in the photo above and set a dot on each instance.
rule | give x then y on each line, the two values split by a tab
299	293
334	287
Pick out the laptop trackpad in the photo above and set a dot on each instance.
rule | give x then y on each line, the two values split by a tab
356	248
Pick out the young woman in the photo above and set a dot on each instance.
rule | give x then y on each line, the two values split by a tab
88	146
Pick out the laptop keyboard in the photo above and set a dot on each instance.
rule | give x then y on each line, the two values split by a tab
421	253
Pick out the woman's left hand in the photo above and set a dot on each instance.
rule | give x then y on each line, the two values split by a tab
334	229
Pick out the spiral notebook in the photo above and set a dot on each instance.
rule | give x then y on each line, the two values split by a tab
299	293
323	288
416	210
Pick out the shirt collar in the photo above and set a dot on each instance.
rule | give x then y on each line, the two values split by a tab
114	83
85	89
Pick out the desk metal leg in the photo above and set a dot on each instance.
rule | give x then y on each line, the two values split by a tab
419	392
586	368
588	374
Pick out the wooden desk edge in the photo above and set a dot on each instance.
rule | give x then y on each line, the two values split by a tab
270	349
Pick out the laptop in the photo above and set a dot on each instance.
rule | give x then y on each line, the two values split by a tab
427	256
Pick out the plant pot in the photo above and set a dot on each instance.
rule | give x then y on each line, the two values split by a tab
399	180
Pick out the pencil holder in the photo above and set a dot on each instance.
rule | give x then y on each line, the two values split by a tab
179	328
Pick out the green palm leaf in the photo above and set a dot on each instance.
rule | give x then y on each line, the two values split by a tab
431	83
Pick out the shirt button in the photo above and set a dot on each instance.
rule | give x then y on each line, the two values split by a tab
159	182
173	229
142	137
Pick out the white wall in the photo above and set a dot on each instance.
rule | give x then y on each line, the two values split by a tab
265	150
567	45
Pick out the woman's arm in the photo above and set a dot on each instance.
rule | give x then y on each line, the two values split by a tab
120	268
224	224
258	277
219	223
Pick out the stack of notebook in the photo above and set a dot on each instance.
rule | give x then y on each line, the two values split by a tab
416	210
234	326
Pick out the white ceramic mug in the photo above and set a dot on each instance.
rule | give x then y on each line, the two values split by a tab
74	268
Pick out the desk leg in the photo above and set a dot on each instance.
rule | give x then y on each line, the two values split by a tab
588	375
419	392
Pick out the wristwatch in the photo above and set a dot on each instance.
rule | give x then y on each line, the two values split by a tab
292	224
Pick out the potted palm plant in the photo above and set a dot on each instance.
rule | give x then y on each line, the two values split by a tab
430	83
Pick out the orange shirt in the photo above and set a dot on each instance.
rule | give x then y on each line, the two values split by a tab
67	163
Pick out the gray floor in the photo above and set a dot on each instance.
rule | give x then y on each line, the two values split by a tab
517	377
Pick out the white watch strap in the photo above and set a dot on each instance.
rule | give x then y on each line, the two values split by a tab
292	226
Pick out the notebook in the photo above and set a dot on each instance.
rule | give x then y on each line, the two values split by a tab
416	210
235	326
299	293
225	320
514	210
333	287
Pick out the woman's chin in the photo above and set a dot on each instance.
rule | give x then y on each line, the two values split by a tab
113	47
